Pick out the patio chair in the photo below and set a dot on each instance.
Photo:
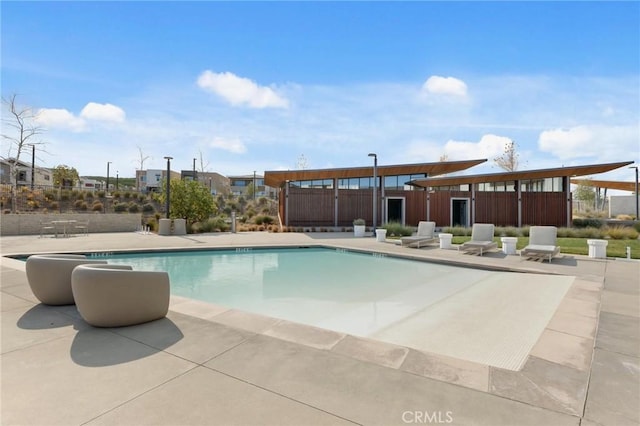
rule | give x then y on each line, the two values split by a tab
542	243
481	239
82	227
48	227
425	235
116	295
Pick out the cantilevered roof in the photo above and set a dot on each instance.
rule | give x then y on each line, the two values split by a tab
610	184
277	178
520	175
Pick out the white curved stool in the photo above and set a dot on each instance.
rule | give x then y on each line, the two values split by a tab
116	295
49	276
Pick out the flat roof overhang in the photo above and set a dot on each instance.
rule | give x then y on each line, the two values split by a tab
609	184
277	178
520	175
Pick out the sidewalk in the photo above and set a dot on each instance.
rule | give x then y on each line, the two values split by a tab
209	365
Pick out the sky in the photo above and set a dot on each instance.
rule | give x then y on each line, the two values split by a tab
255	86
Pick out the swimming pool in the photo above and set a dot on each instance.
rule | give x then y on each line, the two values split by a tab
489	317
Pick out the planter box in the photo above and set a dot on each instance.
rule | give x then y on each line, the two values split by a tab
359	230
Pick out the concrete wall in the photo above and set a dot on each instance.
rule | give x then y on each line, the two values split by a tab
30	224
622	204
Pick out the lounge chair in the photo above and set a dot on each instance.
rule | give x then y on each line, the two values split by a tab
542	243
425	235
481	239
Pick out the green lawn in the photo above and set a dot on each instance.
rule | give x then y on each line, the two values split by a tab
615	248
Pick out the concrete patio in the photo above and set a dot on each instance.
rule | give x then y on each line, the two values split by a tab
210	365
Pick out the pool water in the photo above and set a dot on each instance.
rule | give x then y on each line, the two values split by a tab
484	316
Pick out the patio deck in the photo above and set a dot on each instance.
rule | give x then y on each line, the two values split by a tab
209	365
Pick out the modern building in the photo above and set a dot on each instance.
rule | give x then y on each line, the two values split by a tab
335	197
410	193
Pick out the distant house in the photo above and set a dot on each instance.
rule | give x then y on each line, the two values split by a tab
240	185
410	193
150	180
26	174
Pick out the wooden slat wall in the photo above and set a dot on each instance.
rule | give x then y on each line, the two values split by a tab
311	207
439	207
354	204
499	208
544	208
415	205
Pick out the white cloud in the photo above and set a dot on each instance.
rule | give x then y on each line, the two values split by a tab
232	145
489	147
60	118
604	143
447	86
240	91
103	112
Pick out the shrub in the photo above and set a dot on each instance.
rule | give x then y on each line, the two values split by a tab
263	219
622	233
458	231
120	207
636	226
101	194
358	222
64	195
395	229
116	195
507	231
567	233
80	196
624	217
127	195
148	208
88	195
590	233
54	205
97	206
133	208
587	223
78	203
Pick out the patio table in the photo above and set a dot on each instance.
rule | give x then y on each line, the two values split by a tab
64	224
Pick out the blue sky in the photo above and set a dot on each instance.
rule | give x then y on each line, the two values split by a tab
256	85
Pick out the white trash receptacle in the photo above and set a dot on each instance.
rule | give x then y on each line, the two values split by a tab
509	244
381	235
445	240
597	248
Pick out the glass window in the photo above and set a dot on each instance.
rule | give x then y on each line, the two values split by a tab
365	183
391	182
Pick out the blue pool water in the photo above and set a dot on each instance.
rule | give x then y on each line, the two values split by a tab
488	317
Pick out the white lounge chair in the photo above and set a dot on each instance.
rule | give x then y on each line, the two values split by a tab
542	243
481	239
425	235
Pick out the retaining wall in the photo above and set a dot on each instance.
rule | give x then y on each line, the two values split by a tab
30	224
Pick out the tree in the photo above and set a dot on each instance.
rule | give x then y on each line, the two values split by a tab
189	200
586	193
142	158
22	121
65	176
509	159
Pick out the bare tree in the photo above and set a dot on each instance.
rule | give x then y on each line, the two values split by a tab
302	163
509	159
444	158
204	167
24	132
142	159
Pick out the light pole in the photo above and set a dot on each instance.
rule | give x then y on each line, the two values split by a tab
254	185
636	182
33	163
117	178
107	191
168	185
375	190
194	169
